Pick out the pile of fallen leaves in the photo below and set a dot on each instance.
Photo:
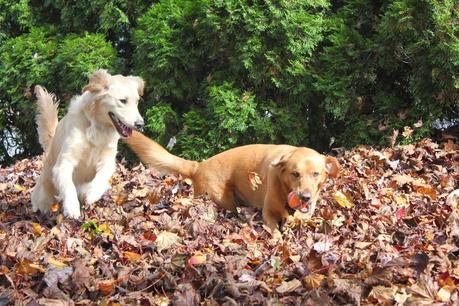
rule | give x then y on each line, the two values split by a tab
386	232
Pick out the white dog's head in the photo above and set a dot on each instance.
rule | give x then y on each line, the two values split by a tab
115	100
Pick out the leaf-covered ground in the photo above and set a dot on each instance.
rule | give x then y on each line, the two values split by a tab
386	232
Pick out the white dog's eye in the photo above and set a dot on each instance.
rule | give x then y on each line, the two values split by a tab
315	174
124	101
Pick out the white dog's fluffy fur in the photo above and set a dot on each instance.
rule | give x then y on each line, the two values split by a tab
80	149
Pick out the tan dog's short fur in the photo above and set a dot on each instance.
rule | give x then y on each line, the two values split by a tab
260	175
80	149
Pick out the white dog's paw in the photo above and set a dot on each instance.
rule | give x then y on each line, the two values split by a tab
72	209
93	192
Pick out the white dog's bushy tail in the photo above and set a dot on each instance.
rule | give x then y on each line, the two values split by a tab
46	117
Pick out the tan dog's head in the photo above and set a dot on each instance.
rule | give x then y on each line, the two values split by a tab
305	171
115	100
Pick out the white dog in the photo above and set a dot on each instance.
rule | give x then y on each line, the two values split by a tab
80	149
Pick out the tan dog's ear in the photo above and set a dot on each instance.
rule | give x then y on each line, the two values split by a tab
140	84
98	81
332	166
281	161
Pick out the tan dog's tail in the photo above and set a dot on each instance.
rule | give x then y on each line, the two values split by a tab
155	156
46	117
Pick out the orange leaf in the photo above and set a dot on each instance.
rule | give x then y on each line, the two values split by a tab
425	190
107	287
132	256
26	267
37	230
4	269
120	198
55	207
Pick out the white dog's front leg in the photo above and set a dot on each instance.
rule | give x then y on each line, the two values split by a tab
63	181
94	190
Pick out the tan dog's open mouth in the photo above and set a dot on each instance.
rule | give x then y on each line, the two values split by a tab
122	128
294	202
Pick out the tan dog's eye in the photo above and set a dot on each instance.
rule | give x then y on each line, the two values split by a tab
124	101
315	174
295	174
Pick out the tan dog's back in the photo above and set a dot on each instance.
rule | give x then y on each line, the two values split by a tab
232	170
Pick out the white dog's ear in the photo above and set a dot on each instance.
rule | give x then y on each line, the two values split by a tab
332	166
140	84
98	81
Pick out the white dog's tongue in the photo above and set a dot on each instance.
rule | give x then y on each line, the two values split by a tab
127	131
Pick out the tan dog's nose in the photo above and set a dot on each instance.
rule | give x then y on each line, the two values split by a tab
305	196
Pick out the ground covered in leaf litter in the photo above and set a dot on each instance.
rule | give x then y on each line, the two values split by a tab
385	233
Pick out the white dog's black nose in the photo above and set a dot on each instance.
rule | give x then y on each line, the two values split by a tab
139	124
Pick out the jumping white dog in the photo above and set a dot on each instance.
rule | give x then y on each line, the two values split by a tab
80	149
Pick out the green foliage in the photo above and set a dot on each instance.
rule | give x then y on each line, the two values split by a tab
388	64
24	61
236	70
15	18
78	56
222	73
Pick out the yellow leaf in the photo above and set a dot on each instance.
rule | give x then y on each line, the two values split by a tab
55	262
37	230
132	256
314	280
104	228
140	193
342	200
19	187
444	293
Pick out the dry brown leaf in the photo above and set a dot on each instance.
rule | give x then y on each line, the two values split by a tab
289	286
165	240
255	180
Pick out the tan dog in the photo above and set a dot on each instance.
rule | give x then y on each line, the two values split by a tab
260	175
80	149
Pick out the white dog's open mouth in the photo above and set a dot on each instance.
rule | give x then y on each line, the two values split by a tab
122	128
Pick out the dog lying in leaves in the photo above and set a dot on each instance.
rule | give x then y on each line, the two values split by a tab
260	175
